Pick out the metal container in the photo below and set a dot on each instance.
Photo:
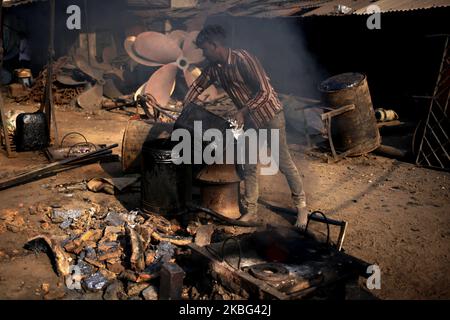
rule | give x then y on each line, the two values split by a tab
220	189
383	115
165	186
31	131
354	131
192	113
139	130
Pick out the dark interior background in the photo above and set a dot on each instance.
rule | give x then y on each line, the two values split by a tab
401	60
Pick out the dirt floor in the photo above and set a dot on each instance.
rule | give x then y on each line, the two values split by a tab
398	214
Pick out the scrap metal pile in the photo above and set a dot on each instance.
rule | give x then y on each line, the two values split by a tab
79	79
63	95
75	82
110	248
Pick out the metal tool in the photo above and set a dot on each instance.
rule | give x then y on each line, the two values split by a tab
314	216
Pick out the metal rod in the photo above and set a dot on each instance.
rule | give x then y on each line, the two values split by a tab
439	141
339	111
439	124
342	236
326	117
31	175
275	207
433	151
441	69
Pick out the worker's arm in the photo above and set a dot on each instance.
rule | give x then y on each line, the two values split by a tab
256	78
203	81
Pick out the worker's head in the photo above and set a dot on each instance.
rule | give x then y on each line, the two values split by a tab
212	41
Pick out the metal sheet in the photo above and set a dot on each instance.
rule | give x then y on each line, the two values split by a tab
406	5
277	8
360	7
13	3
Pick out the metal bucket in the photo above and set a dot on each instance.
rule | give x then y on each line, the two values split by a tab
31	131
165	186
139	130
354	130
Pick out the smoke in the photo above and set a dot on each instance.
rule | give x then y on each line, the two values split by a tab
281	47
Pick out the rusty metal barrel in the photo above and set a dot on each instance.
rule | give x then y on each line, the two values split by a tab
353	129
220	189
138	131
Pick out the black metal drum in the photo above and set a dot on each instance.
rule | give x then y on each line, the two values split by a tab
165	186
31	131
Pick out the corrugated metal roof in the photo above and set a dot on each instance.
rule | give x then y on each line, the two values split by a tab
275	8
360	7
406	5
285	8
149	3
252	8
13	3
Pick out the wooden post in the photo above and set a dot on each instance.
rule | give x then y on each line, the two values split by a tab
9	150
48	100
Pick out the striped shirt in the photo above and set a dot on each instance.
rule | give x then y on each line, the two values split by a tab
245	81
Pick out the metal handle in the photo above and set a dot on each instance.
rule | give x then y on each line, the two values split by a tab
326	118
240	252
72	133
342	224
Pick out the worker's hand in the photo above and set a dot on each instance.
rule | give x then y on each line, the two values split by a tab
240	118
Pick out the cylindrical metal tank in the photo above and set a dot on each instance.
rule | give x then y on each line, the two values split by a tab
356	129
138	131
220	189
165	186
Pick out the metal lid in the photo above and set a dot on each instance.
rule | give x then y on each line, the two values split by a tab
341	81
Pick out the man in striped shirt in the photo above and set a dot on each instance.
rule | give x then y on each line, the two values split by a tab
243	78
